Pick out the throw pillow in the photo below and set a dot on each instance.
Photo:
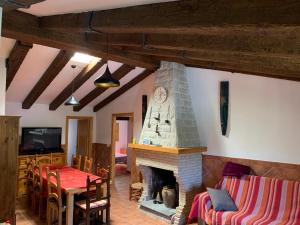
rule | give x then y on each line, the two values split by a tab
235	170
221	200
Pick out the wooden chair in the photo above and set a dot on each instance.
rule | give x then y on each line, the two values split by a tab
54	200
96	201
136	189
88	165
76	162
40	191
30	181
43	160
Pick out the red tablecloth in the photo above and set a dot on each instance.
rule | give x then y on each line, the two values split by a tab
70	178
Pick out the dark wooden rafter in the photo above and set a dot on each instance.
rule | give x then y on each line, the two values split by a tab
17	4
118	74
268	66
53	70
123	89
189	17
25	27
266	41
15	60
86	73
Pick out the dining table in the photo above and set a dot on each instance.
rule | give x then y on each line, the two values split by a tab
72	181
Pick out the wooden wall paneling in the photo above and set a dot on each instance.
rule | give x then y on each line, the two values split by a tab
101	154
9	140
213	168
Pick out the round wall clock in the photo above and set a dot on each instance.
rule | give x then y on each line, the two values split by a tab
160	95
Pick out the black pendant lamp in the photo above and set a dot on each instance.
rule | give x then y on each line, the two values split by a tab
106	80
72	101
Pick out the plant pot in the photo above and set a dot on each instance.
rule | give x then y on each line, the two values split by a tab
169	196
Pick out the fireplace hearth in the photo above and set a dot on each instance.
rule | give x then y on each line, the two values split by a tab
163	197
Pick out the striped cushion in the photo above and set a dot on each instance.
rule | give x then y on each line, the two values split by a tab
82	204
260	201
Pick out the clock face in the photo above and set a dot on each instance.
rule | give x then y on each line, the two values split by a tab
160	95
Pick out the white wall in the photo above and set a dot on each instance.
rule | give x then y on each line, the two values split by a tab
40	116
130	101
264	116
72	139
264	113
2	76
122	143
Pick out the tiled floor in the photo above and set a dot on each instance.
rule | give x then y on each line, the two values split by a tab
123	211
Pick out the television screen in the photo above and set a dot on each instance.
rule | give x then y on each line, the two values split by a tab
39	140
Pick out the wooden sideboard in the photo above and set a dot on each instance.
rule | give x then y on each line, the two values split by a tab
56	159
9	142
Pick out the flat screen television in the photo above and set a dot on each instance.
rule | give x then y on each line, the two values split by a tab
39	140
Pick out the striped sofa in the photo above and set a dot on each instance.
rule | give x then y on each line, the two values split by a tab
260	201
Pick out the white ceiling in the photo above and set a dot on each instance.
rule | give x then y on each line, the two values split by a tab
53	7
35	64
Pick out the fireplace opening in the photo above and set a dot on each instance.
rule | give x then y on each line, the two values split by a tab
163	195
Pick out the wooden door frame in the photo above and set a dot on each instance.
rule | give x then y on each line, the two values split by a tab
113	121
91	120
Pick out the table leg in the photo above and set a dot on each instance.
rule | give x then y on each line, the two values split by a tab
70	208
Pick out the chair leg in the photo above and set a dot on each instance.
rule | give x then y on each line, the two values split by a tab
87	219
107	219
130	190
59	217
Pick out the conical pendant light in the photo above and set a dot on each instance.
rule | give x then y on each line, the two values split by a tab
72	100
106	80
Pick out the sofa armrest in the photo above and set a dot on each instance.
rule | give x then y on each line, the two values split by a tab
205	203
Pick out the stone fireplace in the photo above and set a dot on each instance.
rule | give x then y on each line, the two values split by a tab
170	141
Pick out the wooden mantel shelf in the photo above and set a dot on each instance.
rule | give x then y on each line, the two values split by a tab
172	150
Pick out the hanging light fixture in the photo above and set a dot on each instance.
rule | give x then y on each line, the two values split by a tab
106	80
72	100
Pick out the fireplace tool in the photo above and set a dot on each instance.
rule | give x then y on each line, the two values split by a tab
156	130
167	121
158	117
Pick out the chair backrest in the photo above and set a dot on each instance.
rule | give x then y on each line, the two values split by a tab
95	191
88	165
76	162
54	188
30	172
38	179
43	160
105	175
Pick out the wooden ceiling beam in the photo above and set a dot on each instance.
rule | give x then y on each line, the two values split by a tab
25	27
118	74
53	70
185	17
123	89
9	5
15	60
279	67
246	68
85	74
267	41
